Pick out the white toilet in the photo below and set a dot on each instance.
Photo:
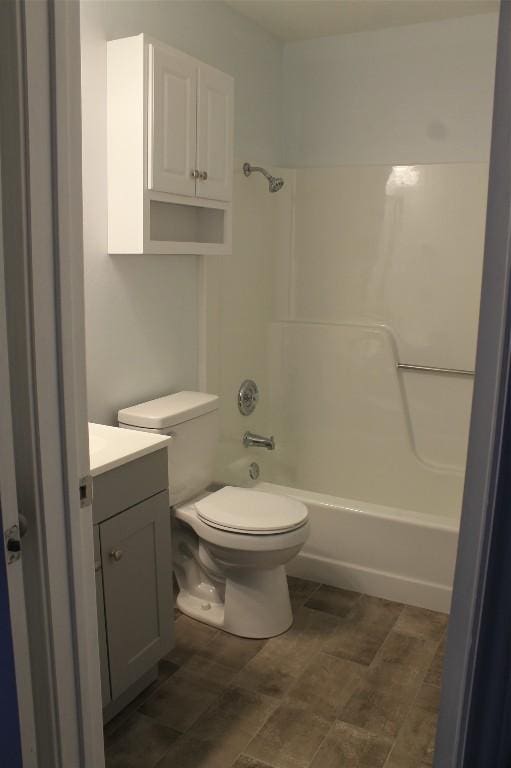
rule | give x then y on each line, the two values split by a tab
229	546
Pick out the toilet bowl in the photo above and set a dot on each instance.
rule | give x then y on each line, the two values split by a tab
230	546
231	571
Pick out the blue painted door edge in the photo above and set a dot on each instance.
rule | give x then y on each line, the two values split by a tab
489	729
10	739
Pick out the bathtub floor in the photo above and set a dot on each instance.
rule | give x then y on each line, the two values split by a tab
354	683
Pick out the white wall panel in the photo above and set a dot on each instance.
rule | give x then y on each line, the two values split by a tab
341	421
396	245
414	94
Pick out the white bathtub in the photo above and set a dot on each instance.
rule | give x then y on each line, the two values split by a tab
386	552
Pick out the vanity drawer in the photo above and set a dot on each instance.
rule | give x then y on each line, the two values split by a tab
123	487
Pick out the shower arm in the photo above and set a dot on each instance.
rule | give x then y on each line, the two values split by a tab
248	169
274	182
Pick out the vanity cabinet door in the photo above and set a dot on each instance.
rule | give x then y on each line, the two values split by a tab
215	134
103	650
100	606
172	124
137	585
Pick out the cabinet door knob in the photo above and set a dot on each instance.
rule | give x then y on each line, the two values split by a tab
204	176
195	174
116	554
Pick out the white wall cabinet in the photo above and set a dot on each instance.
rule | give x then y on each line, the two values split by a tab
172	122
170	151
214	134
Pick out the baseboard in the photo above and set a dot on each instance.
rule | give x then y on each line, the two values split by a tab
389	586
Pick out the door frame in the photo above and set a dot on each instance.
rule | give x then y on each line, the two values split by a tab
46	87
40	142
19	742
474	720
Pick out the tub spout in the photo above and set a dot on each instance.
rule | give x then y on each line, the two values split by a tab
250	440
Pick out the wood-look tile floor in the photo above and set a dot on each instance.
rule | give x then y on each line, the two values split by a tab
354	683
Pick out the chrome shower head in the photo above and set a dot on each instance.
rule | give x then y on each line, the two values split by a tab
274	182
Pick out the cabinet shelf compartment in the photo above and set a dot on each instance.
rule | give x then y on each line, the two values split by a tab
174	225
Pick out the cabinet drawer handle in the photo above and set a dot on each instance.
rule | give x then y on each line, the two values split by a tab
204	176
195	174
116	554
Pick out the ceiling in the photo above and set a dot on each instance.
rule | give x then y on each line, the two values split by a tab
290	20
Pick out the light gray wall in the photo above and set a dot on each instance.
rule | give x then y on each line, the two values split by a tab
142	311
405	95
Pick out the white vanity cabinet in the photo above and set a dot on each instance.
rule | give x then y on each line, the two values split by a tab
170	150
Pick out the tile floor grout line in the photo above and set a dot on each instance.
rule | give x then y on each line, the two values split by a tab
370	665
412	703
327	734
422	682
360	595
167	727
361	663
384	639
386	763
136	709
312	593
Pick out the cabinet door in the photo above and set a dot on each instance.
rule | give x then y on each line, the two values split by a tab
103	650
137	585
172	123
215	134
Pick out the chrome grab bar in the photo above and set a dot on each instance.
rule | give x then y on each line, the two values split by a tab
431	369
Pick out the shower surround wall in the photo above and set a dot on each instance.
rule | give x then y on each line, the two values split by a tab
336	278
369	256
390	146
343	274
385	267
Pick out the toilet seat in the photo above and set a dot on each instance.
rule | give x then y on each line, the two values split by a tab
255	513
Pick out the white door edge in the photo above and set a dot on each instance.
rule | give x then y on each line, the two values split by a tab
14	571
44	276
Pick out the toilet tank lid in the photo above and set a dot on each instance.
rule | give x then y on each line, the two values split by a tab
168	411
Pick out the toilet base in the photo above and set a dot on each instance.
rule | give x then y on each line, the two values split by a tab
196	608
256	604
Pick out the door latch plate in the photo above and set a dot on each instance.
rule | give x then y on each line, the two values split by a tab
86	491
12	541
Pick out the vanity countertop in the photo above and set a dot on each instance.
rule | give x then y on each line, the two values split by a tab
110	447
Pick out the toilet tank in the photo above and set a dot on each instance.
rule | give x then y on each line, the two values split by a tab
192	420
